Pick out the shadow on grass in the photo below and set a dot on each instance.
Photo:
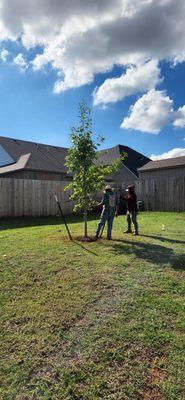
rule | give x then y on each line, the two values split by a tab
163	239
26	222
178	262
84	248
150	252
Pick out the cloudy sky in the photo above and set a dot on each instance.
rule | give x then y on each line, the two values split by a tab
125	57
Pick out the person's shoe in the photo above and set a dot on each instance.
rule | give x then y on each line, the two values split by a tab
127	231
135	233
96	236
109	238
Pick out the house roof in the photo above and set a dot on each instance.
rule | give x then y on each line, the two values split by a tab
132	161
42	157
17	166
163	164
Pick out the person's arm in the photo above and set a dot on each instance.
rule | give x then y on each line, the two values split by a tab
132	197
117	205
125	196
117	211
103	201
117	208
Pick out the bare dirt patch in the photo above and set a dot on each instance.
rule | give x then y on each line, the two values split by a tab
58	237
87	239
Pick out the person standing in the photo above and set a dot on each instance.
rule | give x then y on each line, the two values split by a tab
131	202
109	208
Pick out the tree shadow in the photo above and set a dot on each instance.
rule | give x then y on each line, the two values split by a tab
163	239
150	252
178	262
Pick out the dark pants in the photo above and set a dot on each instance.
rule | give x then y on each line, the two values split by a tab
109	218
132	218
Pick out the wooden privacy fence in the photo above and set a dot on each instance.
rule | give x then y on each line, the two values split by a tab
26	197
162	194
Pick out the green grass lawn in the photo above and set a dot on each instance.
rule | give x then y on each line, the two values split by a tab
101	320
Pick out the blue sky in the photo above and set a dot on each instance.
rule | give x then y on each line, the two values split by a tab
45	72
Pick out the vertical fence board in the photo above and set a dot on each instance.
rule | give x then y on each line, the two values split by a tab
26	197
162	195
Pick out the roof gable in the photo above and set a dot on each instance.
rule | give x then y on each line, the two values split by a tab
43	157
5	158
132	161
19	165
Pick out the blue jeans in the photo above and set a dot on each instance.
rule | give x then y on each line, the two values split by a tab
109	218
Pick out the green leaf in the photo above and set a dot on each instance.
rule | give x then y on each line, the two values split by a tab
82	162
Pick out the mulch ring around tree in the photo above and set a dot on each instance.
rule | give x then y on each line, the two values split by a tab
87	239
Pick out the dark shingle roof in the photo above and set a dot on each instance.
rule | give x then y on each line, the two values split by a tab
42	156
132	161
107	156
164	164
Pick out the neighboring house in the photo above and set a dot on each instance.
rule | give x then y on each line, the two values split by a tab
162	184
162	169
37	171
128	173
27	160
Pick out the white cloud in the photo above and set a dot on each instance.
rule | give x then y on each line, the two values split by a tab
81	38
179	117
20	62
150	113
139	78
178	152
180	58
4	55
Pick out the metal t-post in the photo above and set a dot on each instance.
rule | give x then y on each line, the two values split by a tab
63	216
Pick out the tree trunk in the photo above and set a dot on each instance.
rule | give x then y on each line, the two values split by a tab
85	204
85	223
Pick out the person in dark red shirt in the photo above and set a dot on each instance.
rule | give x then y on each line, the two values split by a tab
131	202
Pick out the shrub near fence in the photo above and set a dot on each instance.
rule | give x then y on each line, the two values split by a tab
26	197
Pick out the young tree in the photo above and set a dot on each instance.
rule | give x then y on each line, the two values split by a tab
82	162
